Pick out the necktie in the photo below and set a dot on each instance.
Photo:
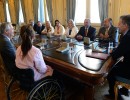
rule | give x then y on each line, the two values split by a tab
86	32
106	32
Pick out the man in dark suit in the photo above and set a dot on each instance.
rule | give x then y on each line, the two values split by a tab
38	27
123	50
108	32
7	49
86	31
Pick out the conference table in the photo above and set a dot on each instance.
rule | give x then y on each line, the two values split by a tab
83	64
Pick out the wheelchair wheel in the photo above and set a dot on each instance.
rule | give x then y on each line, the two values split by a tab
46	90
14	92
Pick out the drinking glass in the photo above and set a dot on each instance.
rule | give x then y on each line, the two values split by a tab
71	46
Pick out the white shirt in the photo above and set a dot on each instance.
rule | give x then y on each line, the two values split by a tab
61	30
33	60
73	32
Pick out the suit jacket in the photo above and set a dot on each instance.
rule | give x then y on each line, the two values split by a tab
91	32
112	32
38	29
7	52
123	49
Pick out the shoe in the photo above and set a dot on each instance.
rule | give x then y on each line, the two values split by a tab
109	97
123	91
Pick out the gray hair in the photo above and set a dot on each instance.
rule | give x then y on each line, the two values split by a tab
71	20
4	27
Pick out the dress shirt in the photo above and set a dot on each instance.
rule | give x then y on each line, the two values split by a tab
33	60
59	30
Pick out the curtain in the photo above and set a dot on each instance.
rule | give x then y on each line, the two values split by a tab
35	10
4	5
24	11
103	9
71	5
16	3
49	9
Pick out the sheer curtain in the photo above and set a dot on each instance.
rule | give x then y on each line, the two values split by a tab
11	14
71	5
35	9
23	9
41	11
49	9
16	3
103	9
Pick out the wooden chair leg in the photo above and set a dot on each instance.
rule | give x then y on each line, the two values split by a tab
116	91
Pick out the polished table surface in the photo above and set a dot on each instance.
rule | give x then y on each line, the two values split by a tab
83	64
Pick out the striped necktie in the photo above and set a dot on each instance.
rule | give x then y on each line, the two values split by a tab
86	31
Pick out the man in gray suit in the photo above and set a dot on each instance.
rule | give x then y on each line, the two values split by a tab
7	49
108	32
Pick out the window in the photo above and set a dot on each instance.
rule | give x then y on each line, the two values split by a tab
80	13
87	9
21	19
7	13
41	11
94	11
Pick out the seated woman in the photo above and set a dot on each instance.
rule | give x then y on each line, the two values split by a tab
48	28
71	30
59	29
28	56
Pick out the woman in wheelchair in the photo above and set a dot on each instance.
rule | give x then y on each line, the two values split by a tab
30	57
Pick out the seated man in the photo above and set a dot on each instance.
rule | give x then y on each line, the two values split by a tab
7	49
122	68
108	32
86	31
48	28
38	27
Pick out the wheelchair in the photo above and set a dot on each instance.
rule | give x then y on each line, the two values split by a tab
46	89
21	85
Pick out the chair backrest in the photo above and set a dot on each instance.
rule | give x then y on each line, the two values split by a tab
26	78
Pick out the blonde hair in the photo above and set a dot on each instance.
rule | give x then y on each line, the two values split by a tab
71	20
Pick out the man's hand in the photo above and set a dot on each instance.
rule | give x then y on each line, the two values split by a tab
79	37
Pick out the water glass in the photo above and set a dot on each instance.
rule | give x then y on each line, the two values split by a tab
71	47
111	45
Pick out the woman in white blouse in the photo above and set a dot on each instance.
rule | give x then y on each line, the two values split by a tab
48	28
59	29
28	56
71	30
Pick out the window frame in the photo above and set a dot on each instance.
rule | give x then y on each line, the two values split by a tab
88	8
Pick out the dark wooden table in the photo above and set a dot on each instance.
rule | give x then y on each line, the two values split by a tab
83	65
